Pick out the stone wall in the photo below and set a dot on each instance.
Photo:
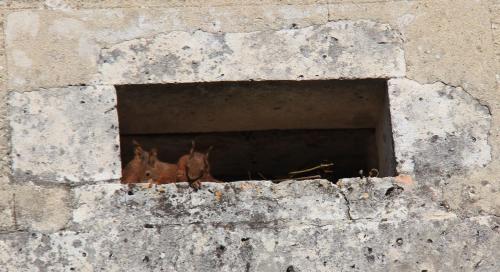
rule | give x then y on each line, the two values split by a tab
61	207
360	225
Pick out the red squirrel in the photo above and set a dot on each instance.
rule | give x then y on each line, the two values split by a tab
145	166
160	172
194	168
135	171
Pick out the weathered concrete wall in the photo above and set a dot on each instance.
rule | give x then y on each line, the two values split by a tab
73	132
442	132
358	49
365	225
443	58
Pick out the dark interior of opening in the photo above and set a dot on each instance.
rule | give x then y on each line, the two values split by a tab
263	130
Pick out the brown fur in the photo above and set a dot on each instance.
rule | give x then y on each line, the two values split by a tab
135	170
194	168
145	166
160	172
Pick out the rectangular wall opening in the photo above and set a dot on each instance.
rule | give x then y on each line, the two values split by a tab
263	129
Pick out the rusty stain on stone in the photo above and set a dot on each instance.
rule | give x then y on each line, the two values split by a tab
218	196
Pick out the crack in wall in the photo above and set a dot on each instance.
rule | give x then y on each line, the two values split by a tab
478	100
348	205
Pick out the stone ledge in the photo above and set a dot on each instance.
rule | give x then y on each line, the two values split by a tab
370	224
249	203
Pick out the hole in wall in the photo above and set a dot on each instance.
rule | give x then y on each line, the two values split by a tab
263	129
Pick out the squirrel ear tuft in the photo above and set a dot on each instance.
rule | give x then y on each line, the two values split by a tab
137	148
153	157
191	151
208	151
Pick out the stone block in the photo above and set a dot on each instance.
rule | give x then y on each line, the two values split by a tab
438	130
41	209
65	135
335	50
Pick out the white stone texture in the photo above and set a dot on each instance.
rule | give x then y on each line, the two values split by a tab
438	130
258	226
65	134
336	50
248	202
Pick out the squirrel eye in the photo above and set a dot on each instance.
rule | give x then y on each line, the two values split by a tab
148	174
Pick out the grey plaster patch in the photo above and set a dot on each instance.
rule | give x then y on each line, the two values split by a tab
438	130
65	134
343	49
41	209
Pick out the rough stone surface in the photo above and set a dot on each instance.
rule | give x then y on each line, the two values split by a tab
321	228
448	221
450	42
40	209
495	27
69	42
6	211
33	208
84	4
447	41
438	130
4	130
461	58
73	132
359	246
253	203
335	50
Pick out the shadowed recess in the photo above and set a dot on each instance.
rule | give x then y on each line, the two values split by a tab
263	129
